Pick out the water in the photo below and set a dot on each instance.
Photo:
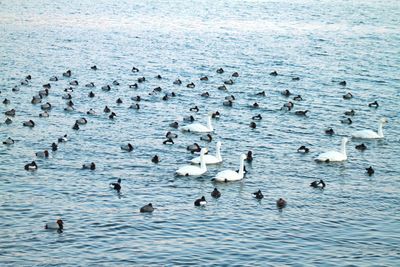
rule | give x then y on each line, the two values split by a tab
354	221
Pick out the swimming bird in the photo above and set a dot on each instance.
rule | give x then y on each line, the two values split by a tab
107	109
205	94
168	141
6	101
348	96
54	147
346	121
296	79
235	74
303	149
215	193
204	78
67	96
230	175
174	124
370	170
258	195
127	147
301	112
70	103
43	93
47	86
135	106
68	73
373	104
134	69
112	115
58	225
136	98
330	131
222	88
106	88
10	113
8	121
63	139
134	86
171	135
193	148
81	121
281	203
190	170
91	112
117	185
298	98
199	128
255	105
147	208
191	85
249	157
141	79
261	93
350	113
29	123
76	126
228	103
342	83
229	82
253	125
177	82
188	118
8	141
194	109
158	77
44	114
220	70
31	166
370	134
274	73
90	166
318	184
119	101
36	99
332	156
155	159
46	106
115	82
200	202
53	79
42	154
90	85
74	83
216	115
207	138
361	147
286	93
288	106
93	67
210	159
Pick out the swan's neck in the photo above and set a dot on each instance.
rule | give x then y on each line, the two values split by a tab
209	125
241	168
380	129
218	155
343	149
202	162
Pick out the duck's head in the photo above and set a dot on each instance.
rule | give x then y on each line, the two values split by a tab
119	180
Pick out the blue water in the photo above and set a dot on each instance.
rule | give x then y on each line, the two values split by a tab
354	221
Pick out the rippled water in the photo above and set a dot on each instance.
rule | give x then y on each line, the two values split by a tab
354	221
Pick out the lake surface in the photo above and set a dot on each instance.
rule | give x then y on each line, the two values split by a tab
354	221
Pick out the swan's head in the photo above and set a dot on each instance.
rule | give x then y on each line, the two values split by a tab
345	140
383	120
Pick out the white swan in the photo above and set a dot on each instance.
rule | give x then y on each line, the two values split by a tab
369	134
210	159
229	175
334	155
199	128
191	170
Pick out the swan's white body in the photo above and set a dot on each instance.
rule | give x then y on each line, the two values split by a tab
210	159
191	170
331	156
369	134
229	175
199	128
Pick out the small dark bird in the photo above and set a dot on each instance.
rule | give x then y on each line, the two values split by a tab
348	96
205	94
261	93
318	184
127	147
373	104
298	98
147	208
68	73
76	126
216	115
171	135
258	195
350	113
229	82
189	118
134	86
31	166
168	141
301	112
29	77
253	125
90	166
136	98
54	147
216	193
370	170
255	105
194	109
112	115
257	117
207	138
205	78
296	79
342	83
346	121
91	94
47	86
8	121
158	77
220	70
329	131
177	82
193	148
249	157
286	93
134	69
281	203
200	202
222	87
6	101
29	123
119	101
174	124
155	159
274	73
107	109
303	149
235	74
115	82
361	147
116	186
141	79
94	67
191	85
